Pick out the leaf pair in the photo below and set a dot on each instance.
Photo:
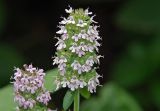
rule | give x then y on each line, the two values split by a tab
69	97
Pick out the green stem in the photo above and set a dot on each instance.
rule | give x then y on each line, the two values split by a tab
76	100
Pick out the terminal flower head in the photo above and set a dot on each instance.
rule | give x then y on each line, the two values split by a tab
77	51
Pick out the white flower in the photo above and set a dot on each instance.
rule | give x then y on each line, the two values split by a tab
82	83
87	12
86	68
93	83
55	60
91	19
81	23
90	61
96	59
70	10
80	52
70	20
74	47
74	83
60	44
83	34
30	68
96	45
80	70
62	69
64	21
58	84
64	36
64	83
62	66
75	65
76	37
62	30
90	48
62	59
44	97
83	46
92	30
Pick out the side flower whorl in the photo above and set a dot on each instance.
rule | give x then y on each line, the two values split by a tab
77	49
29	89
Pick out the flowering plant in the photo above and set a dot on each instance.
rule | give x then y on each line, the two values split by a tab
76	57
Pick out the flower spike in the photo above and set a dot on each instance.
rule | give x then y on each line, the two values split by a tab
77	49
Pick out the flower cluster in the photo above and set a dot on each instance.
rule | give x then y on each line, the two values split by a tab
29	88
77	49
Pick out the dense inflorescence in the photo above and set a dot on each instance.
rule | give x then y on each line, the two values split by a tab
30	93
77	49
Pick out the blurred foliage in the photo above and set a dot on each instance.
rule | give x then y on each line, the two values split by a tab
7	99
6	93
49	80
155	92
140	64
140	15
9	57
111	98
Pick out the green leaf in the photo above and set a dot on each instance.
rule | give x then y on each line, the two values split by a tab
85	93
68	100
111	98
140	15
49	80
6	99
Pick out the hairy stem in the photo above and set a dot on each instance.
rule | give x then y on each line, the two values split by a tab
76	100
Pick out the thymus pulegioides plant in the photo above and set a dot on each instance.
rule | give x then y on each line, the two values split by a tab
76	57
76	54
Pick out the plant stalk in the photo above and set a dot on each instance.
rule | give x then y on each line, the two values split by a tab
76	100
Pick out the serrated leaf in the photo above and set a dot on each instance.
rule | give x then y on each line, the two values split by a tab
49	80
68	100
85	93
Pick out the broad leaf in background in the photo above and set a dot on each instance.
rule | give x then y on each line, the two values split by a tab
68	99
133	68
140	15
6	99
111	98
6	93
9	58
49	80
138	63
